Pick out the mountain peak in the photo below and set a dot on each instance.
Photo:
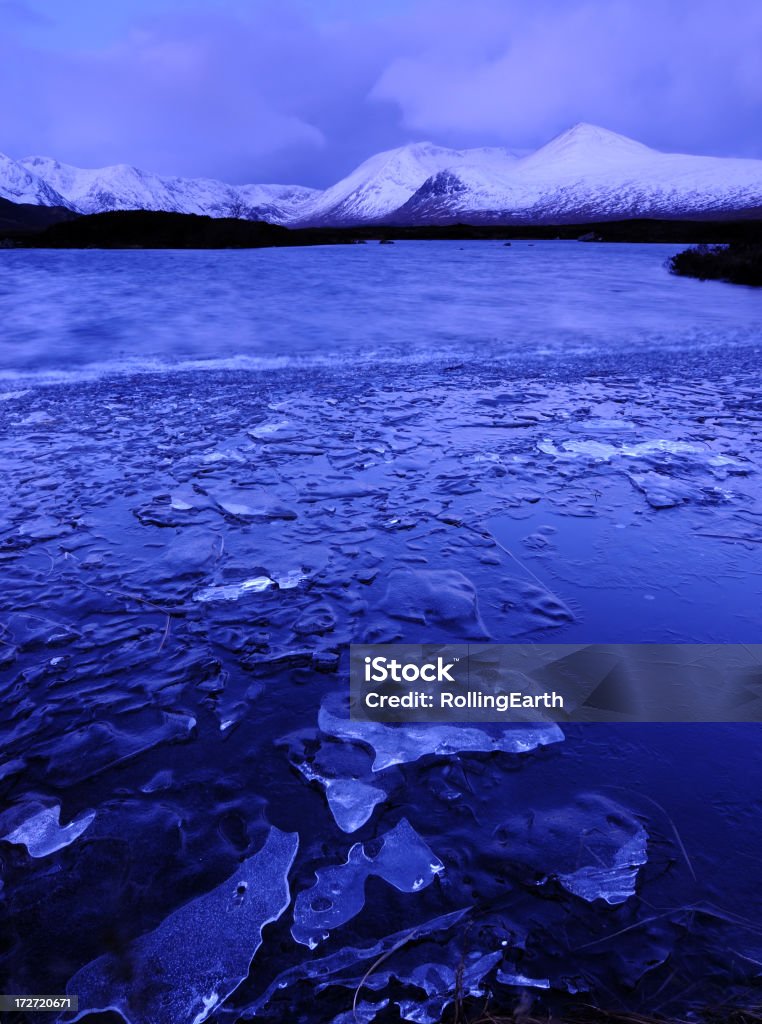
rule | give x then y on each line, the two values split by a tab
420	148
589	139
412	152
40	161
586	130
21	185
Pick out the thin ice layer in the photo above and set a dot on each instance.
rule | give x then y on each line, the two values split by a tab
351	801
362	1013
255	585
442	983
400	744
593	846
42	834
614	883
329	967
403	860
512	978
197	956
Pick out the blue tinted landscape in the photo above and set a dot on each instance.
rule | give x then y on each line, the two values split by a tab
221	468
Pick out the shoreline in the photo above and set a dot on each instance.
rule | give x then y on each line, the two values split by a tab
142	229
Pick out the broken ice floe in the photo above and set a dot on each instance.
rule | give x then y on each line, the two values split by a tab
606	451
662	491
158	782
592	847
362	1013
343	771
614	883
232	591
41	832
252	505
400	744
255	585
440	597
511	978
443	983
217	456
266	430
442	971
92	748
351	801
403	860
188	966
668	472
184	499
331	969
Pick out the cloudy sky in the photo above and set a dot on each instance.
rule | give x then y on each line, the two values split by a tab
303	90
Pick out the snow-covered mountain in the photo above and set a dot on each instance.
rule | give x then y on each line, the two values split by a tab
47	182
385	182
588	174
584	174
122	187
22	186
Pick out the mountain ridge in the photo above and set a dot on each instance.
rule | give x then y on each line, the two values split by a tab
585	173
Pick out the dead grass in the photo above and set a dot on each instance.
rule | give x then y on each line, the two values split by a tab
595	1015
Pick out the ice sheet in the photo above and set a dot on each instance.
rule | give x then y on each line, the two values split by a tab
401	744
188	966
41	832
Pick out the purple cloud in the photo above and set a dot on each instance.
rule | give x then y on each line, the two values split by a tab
303	91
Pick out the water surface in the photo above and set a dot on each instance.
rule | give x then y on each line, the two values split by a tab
67	310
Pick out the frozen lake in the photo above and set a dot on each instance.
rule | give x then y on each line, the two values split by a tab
219	469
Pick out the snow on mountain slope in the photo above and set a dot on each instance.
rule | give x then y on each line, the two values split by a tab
588	173
20	185
122	187
382	184
280	204
585	174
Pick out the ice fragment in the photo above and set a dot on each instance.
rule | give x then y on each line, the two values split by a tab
403	860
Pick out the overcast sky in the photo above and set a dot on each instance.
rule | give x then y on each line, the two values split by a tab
303	90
